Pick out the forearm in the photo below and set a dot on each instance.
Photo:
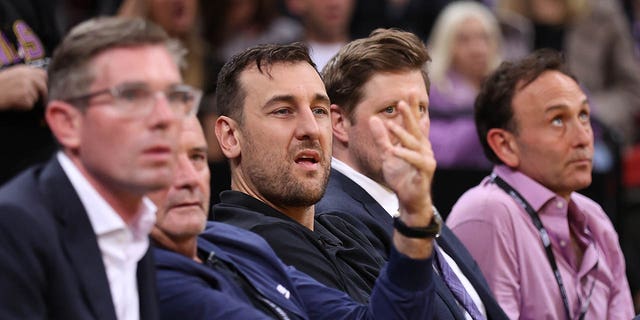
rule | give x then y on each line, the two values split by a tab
404	290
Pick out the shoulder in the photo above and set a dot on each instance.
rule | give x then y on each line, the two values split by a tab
485	202
342	195
598	220
243	217
223	234
23	210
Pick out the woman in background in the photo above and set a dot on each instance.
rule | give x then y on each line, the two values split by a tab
465	47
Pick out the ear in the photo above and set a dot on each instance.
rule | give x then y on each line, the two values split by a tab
503	144
226	133
65	122
340	124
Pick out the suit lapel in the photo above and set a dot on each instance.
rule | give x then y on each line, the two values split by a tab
78	240
147	287
456	250
355	191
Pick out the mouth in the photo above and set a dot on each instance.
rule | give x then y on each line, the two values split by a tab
185	205
158	153
581	162
308	158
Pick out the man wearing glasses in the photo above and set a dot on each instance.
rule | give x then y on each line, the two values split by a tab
73	231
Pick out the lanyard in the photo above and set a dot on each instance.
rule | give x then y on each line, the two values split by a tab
546	242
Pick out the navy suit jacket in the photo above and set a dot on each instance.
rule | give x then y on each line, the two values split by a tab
50	263
346	199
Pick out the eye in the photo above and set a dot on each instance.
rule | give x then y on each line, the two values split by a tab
199	160
320	111
282	111
389	110
179	96
133	94
557	121
423	109
584	116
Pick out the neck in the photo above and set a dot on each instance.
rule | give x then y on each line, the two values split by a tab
125	202
301	214
187	247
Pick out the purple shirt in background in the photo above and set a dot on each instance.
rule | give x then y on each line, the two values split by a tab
501	237
453	134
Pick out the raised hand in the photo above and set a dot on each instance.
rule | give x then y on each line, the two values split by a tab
21	86
408	165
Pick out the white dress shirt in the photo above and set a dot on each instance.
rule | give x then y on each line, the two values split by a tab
121	245
389	201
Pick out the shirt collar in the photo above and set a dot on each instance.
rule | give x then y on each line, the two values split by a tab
538	195
385	197
101	215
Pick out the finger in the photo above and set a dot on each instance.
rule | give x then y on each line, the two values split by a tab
405	138
424	162
380	133
39	81
409	119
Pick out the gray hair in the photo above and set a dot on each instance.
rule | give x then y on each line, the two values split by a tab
70	72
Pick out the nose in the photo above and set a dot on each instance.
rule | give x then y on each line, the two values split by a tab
186	176
307	127
582	134
162	114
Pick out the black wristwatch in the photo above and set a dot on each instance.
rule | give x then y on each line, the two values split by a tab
430	231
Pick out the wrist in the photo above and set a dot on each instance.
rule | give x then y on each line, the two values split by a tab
431	230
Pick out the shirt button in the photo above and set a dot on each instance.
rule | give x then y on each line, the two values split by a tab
559	204
563	243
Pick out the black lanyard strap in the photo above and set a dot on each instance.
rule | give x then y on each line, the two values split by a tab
546	242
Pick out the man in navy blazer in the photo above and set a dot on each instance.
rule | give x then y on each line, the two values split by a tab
74	231
368	78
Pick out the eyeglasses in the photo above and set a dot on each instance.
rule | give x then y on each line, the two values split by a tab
138	99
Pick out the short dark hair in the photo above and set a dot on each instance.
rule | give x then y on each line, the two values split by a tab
493	106
229	92
385	50
70	72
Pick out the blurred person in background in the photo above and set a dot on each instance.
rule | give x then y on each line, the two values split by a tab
465	45
235	25
417	16
326	26
595	37
28	36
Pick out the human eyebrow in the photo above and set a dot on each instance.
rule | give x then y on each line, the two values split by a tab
202	149
555	108
322	98
287	98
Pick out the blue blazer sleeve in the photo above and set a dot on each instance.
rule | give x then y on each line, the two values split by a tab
404	290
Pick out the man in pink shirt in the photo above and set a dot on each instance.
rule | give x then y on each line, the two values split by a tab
546	251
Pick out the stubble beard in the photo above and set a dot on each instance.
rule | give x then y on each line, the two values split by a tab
277	182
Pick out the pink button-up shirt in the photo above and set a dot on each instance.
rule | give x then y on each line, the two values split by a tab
501	237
